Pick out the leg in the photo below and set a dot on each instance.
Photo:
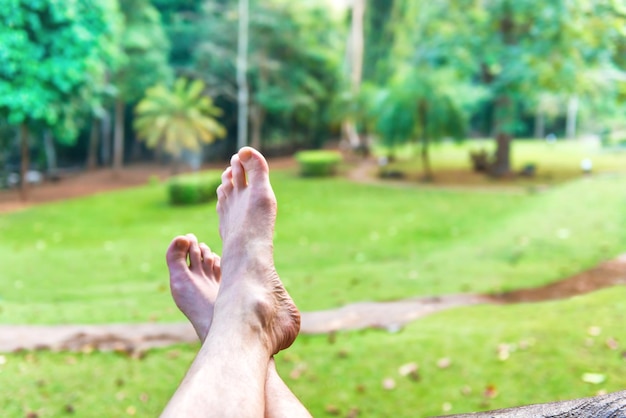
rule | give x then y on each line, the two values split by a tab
254	316
194	288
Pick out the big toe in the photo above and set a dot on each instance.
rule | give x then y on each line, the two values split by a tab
254	164
176	255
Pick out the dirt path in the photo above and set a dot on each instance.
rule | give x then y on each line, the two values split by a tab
134	339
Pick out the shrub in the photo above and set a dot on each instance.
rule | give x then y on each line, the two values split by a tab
318	163
193	189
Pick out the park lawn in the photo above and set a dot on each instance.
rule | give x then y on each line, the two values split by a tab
100	259
550	346
554	162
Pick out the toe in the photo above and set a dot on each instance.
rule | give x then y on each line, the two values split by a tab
217	267
195	255
207	258
239	176
254	164
176	255
227	181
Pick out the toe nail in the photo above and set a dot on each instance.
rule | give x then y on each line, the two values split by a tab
245	154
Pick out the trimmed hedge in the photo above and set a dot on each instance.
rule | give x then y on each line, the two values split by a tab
318	163
191	189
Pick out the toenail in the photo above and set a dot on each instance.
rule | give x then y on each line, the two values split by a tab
245	154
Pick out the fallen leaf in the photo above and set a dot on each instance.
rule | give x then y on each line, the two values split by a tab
332	410
594	331
444	363
389	383
446	407
353	413
131	410
504	351
343	353
490	391
612	343
593	378
298	371
407	369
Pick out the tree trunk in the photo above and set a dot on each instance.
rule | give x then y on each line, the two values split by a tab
257	117
242	70
502	164
118	137
135	154
105	150
357	45
612	405
51	155
572	113
504	106
423	116
356	50
540	124
25	161
504	118
92	152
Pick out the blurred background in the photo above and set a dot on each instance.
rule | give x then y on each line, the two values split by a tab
419	149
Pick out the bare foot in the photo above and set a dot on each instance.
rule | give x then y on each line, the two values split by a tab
247	211
194	286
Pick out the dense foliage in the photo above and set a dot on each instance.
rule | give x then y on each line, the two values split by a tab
498	68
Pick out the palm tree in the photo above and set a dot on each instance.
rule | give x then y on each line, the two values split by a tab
178	119
419	106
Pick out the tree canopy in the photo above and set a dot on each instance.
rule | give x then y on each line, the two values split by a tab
54	59
53	64
499	68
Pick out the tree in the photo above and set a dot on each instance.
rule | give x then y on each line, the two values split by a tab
422	106
180	119
242	74
293	69
515	49
146	50
53	59
355	51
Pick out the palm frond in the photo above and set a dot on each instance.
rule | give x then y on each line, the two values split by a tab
182	118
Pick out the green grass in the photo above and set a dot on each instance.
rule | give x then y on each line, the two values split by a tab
100	259
554	163
551	348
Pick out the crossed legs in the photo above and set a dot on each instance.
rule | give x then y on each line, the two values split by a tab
237	305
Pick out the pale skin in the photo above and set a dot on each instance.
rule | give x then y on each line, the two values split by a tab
237	305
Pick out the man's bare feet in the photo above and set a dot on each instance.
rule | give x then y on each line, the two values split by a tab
194	280
247	211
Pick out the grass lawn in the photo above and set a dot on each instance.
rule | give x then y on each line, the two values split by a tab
100	259
554	162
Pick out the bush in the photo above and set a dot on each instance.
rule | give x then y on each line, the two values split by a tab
193	189
318	163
